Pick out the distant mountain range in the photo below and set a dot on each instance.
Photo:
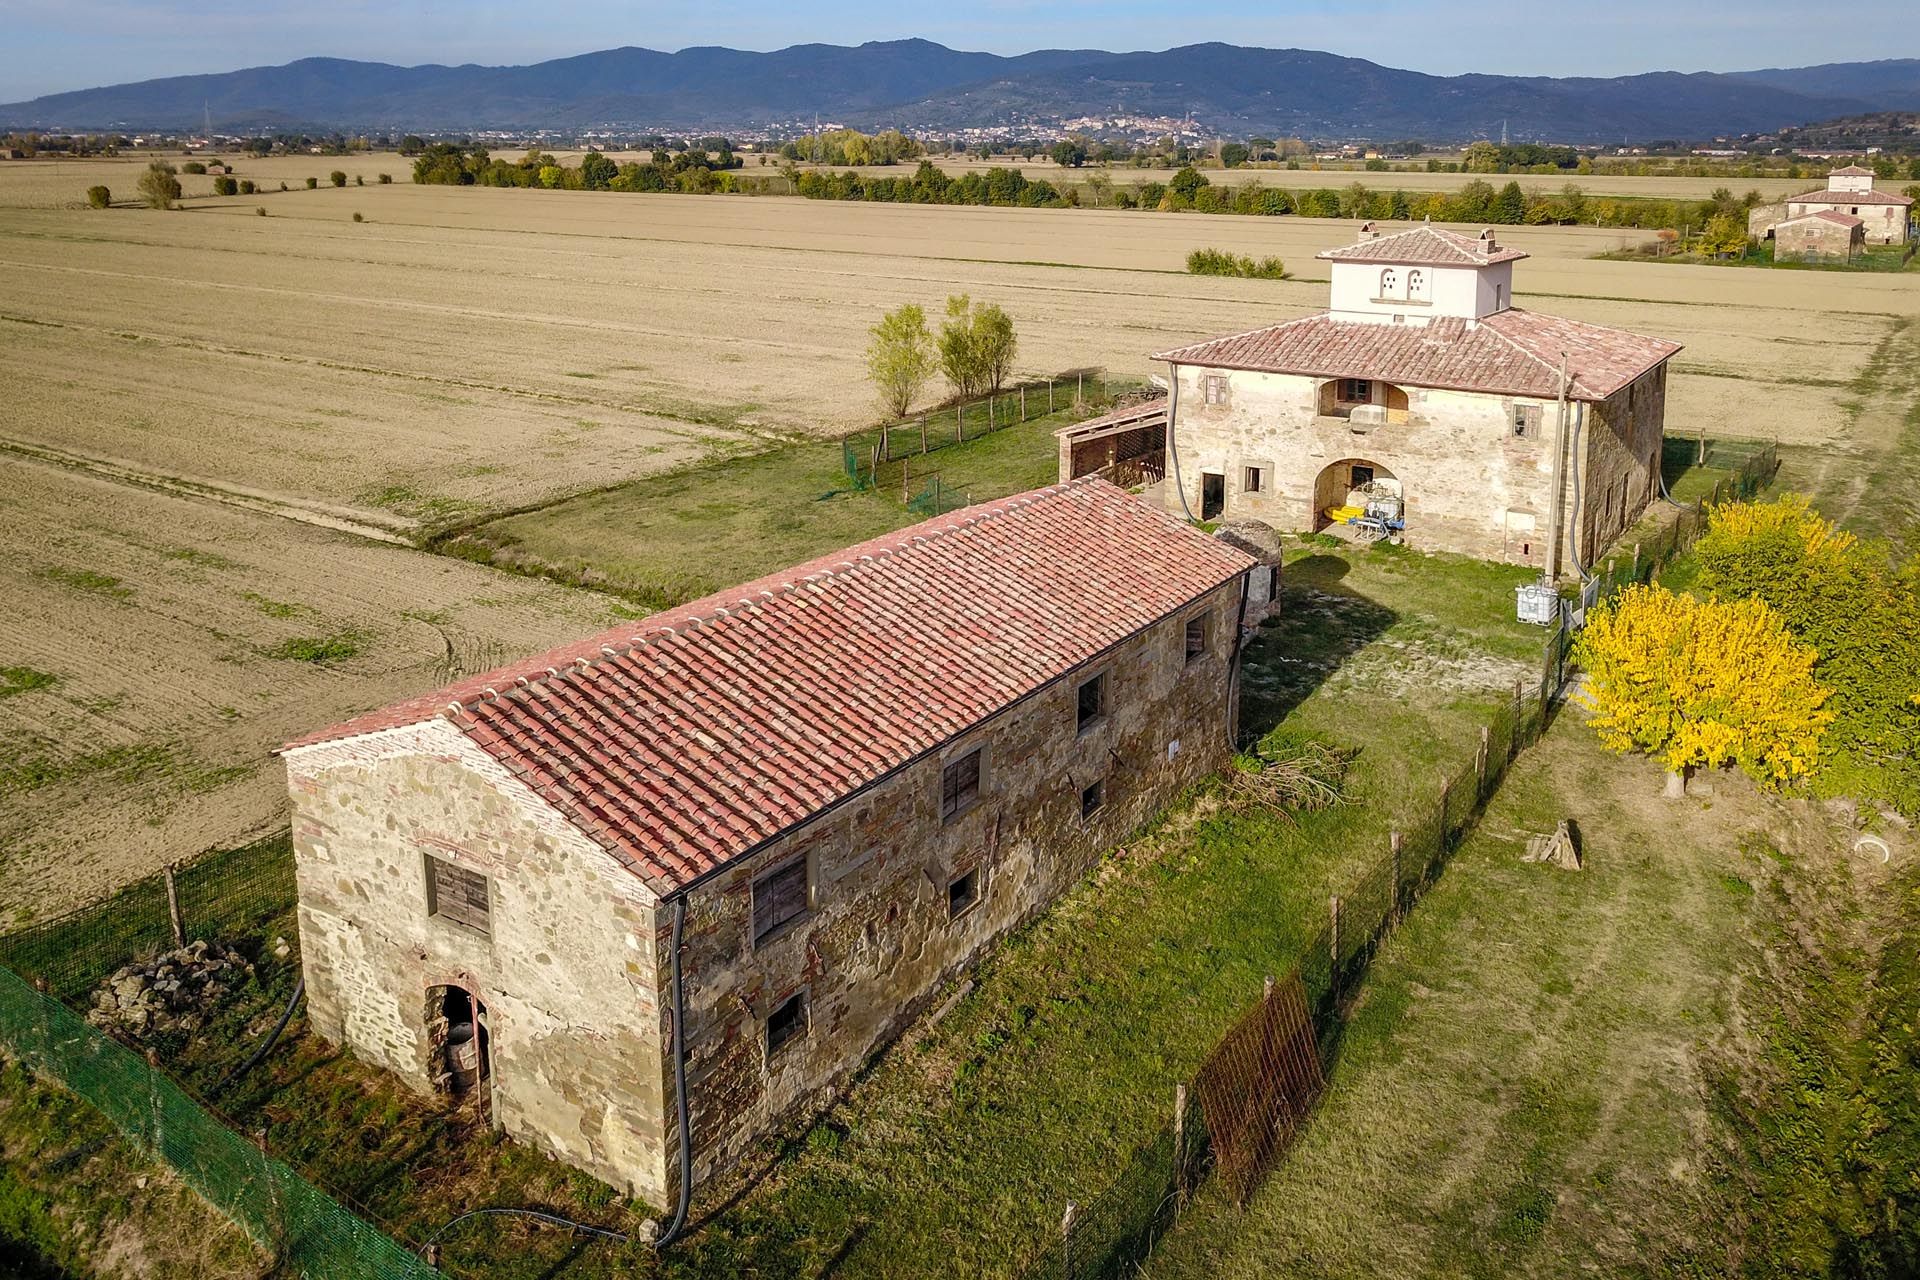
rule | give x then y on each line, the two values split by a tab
919	84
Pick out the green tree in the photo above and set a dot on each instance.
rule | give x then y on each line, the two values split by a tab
1725	236
900	358
99	197
337	178
159	187
1483	157
1510	206
1234	154
977	346
597	172
225	186
1069	153
995	344
1187	183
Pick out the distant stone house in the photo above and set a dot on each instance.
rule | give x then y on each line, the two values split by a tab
832	787
1883	215
1821	235
1423	390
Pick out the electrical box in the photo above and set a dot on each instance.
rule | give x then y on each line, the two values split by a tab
1538	603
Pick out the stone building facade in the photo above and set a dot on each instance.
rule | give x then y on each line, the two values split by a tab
1822	235
1884	216
841	782
1424	386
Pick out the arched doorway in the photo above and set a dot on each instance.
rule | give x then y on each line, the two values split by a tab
1354	486
459	1060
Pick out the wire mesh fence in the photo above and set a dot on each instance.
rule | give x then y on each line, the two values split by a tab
49	970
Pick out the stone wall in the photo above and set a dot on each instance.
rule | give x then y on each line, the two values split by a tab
566	973
877	941
1815	237
1620	446
1469	482
1884	223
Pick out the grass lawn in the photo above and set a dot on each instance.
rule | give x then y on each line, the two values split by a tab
671	538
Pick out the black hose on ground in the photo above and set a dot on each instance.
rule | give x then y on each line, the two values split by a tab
538	1215
286	1016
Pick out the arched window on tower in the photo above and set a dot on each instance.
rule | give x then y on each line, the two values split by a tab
1416	285
1386	284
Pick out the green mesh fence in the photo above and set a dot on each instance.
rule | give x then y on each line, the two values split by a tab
305	1230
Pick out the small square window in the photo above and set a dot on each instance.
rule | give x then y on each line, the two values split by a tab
960	785
1251	482
1216	388
787	1023
1359	477
963	894
1526	421
1356	391
458	895
1092	798
1196	638
1092	701
779	897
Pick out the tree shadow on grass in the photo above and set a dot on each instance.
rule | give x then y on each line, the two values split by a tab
1322	623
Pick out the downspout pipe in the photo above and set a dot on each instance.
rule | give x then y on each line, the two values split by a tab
681	1116
1233	664
1173	447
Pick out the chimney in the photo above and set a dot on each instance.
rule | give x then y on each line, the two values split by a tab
1369	231
1487	243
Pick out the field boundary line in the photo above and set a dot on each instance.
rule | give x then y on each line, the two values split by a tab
393	530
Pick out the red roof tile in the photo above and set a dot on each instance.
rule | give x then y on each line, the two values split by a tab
1511	352
1851	171
686	740
1424	245
1825	215
1849	197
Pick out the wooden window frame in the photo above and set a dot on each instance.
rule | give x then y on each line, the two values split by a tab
791	1029
1526	421
955	804
1216	391
459	914
1252	480
761	884
1343	387
1083	722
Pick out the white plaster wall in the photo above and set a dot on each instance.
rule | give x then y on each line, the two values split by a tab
1466	292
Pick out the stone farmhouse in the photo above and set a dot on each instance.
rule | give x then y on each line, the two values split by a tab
1423	395
1849	191
1824	234
741	843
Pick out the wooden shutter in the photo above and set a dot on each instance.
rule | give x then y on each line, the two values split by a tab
778	898
458	895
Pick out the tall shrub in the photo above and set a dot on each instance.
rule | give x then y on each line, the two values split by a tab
900	358
99	197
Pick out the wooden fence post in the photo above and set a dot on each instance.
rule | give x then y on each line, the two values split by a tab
906	486
1079	388
1513	738
1180	1141
923	433
1480	762
1023	402
1394	842
173	907
989	412
1049	395
1067	1220
1446	802
886	442
1333	943
959	422
1700	458
1636	562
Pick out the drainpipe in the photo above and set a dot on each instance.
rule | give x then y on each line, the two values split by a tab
679	1223
1173	448
1557	505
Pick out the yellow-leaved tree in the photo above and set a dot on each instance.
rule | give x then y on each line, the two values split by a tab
1702	682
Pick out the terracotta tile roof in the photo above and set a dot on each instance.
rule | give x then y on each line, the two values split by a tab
1823	196
1825	215
1424	245
688	739
1851	171
1511	352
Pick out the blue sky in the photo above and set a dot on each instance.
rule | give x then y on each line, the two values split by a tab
53	45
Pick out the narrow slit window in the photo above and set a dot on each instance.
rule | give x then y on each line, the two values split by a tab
960	785
1196	638
1252	482
779	897
1092	701
1093	797
787	1023
458	895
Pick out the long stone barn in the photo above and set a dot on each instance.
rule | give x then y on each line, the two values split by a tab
1424	395
747	839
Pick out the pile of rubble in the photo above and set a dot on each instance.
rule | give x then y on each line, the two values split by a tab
174	991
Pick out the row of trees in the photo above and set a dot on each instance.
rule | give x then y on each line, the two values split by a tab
698	172
850	146
1798	659
974	350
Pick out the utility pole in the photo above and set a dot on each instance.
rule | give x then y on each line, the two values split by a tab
1556	505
